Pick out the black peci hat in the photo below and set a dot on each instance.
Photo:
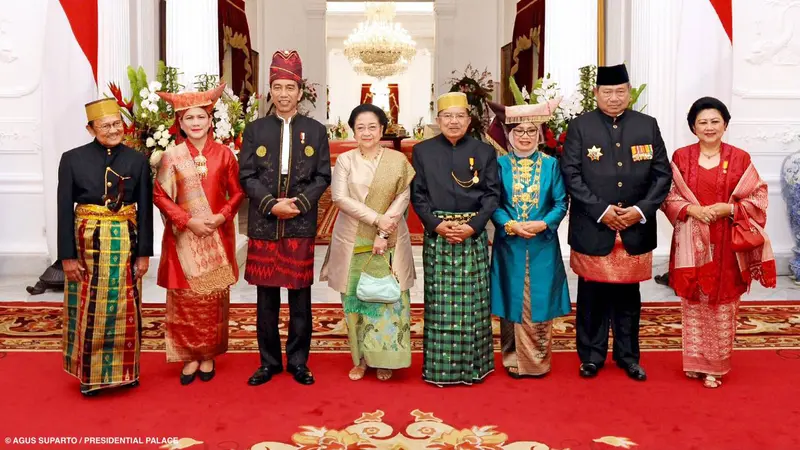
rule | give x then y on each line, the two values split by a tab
612	75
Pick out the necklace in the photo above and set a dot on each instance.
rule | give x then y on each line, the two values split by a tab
374	158
200	163
711	155
525	188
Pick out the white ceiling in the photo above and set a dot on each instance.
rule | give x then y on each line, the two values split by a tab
416	17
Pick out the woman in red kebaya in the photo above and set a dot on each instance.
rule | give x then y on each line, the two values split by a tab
197	190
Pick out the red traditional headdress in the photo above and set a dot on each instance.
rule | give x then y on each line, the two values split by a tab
186	100
286	65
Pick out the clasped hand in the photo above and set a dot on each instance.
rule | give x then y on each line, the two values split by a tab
619	219
528	230
454	233
709	214
388	224
285	208
203	227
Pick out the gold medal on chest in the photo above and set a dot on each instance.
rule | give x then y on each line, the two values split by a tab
261	151
595	153
309	151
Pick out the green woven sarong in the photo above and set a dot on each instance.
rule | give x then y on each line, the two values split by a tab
457	336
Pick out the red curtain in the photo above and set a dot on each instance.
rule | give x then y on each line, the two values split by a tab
233	31
528	43
366	95
394	101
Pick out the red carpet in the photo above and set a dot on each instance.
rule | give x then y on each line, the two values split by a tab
757	408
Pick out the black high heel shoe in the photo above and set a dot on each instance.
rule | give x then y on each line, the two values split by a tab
187	379
207	376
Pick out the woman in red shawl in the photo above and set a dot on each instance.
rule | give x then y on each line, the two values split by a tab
197	190
716	190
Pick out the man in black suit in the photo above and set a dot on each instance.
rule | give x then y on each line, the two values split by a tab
617	172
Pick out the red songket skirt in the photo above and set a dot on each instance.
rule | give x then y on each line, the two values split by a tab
287	263
618	267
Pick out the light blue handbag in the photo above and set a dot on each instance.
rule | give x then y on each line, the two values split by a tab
371	289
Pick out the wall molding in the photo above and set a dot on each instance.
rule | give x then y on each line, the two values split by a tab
21	183
758	94
20	136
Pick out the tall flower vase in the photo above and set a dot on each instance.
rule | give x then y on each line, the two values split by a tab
790	185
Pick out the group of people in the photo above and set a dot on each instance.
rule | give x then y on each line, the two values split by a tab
613	177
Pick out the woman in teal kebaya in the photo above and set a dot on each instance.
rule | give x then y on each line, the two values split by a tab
528	280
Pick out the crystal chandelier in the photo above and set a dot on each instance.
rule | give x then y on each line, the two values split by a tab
379	47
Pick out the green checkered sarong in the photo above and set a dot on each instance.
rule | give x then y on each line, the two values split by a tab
457	333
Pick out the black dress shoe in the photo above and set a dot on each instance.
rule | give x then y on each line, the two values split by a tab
207	376
634	371
301	374
187	379
263	374
589	370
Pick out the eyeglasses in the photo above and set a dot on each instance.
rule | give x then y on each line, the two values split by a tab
531	132
447	117
105	128
371	129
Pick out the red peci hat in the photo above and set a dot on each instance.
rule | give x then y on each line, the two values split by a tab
286	65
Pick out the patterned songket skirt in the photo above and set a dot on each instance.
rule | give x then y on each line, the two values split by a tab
102	315
457	333
527	346
708	333
197	324
286	263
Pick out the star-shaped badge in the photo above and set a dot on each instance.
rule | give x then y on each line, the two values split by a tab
595	153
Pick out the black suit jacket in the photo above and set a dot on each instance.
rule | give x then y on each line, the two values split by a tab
616	178
309	175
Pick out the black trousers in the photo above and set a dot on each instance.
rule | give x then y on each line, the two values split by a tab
601	305
300	324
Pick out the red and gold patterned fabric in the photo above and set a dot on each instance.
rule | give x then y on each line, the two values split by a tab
223	193
286	65
703	266
287	263
617	267
196	325
708	332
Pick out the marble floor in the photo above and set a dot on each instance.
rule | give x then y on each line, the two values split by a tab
12	288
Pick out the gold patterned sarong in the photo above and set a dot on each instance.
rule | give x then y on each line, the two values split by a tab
102	314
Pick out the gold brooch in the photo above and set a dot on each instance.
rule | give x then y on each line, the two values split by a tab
261	151
309	151
595	153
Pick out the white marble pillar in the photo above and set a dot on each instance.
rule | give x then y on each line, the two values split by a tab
654	45
144	39
315	59
570	41
192	38
114	45
444	62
